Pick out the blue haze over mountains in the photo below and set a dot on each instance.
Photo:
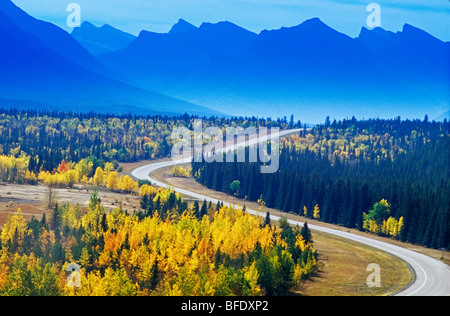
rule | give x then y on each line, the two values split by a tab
44	67
309	70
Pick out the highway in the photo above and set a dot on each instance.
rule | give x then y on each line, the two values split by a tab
432	277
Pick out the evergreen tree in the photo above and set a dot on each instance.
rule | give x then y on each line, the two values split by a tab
306	233
267	219
94	199
196	209
204	209
104	223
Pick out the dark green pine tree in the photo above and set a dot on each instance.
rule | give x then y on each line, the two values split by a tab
104	223
144	202
306	233
204	209
196	210
267	219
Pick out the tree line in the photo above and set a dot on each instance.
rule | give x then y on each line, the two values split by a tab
51	137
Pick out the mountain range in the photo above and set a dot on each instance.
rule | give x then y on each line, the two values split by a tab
99	40
44	67
309	70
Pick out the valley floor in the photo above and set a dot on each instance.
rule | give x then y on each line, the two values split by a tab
342	263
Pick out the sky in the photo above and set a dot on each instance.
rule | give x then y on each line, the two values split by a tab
346	16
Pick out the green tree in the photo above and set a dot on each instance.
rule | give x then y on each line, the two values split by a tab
28	276
94	199
306	233
379	212
266	275
56	217
204	209
104	223
267	220
235	187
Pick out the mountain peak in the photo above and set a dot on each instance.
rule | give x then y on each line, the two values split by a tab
182	26
224	27
376	31
414	34
99	40
414	31
314	21
223	24
109	27
87	24
409	28
313	24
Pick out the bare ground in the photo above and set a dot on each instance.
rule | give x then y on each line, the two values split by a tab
31	199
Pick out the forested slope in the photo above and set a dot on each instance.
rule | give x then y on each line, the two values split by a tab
344	168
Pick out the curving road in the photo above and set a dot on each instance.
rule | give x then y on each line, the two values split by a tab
432	277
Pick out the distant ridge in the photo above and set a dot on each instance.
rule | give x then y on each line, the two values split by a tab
99	40
182	26
52	36
60	73
310	70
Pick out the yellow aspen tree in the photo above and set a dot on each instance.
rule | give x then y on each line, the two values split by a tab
84	180
112	181
399	226
73	177
128	185
179	171
316	212
392	224
84	258
99	176
108	167
15	227
31	177
251	276
146	190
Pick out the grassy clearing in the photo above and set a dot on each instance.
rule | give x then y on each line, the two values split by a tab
343	272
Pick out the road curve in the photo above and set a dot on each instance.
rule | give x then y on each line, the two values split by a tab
432	277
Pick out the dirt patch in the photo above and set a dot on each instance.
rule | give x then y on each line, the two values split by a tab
28	210
31	199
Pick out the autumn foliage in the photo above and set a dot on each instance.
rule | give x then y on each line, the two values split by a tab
379	221
227	252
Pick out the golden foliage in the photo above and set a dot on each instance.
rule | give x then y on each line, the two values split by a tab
181	172
227	253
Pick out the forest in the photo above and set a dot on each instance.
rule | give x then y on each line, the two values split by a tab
63	149
345	172
167	248
387	177
219	252
51	137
